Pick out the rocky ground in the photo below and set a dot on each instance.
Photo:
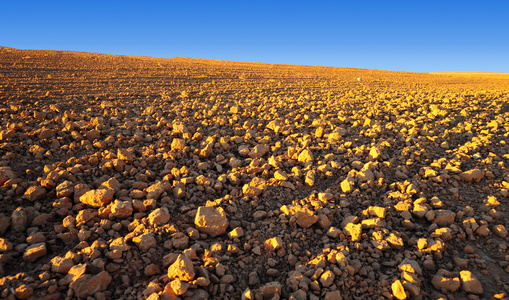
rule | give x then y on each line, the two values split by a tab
137	177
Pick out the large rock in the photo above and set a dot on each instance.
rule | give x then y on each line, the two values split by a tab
97	198
306	156
5	174
155	190
122	209
181	269
444	217
34	252
35	193
397	290
211	220
19	219
254	188
470	283
61	264
159	217
145	241
474	175
258	151
354	230
87	285
445	280
111	184
303	215
5	245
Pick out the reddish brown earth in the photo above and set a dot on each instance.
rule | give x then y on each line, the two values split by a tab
138	177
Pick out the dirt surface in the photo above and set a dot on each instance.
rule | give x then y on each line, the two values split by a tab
138	177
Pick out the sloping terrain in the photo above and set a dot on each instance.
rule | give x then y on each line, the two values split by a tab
138	177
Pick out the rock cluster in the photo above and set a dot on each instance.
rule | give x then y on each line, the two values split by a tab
144	178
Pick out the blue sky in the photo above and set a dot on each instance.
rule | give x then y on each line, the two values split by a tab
417	36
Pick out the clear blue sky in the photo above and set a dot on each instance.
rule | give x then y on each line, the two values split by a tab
419	36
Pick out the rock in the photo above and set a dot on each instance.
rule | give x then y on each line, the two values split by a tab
470	283
35	193
181	269
154	191
310	178
269	290
65	189
397	290
5	245
93	135
500	231
474	175
280	175
23	291
84	216
444	280
327	278
306	156
258	151
347	185
211	220
376	211
420	210
97	198
354	230
334	295
444	217
254	188
179	287
151	269
178	144
374	153
411	266
145	241
483	230
61	264
119	244
273	243
236	233
46	133
19	219
34	252
111	184
86	285
125	156
122	209
304	216
159	216
6	173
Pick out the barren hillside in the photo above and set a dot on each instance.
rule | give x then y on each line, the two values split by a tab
138	177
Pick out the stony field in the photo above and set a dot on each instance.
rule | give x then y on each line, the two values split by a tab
138	177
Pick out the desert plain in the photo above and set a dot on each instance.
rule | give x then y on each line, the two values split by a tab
148	178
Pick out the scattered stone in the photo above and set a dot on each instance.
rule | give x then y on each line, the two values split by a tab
5	245
211	220
145	241
445	280
97	198
474	175
34	252
254	188
159	216
397	290
35	193
19	219
181	269
470	283
86	285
